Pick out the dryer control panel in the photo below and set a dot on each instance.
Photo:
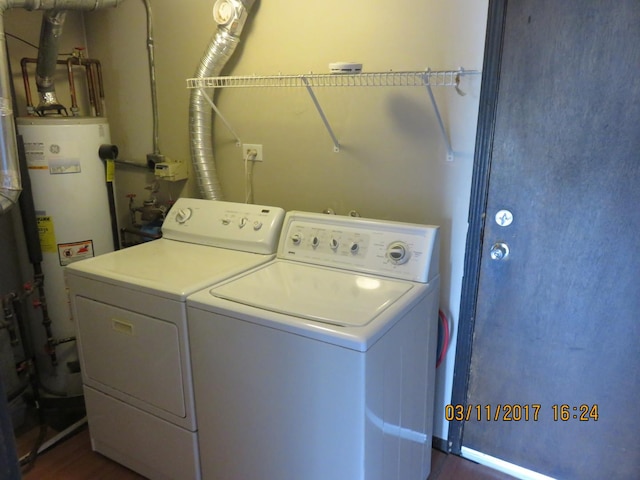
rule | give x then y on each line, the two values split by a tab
237	226
399	250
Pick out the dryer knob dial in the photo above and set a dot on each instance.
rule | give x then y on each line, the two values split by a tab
398	253
257	225
334	244
315	241
242	222
183	215
296	239
354	248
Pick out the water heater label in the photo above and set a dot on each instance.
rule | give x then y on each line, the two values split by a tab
57	167
72	252
34	151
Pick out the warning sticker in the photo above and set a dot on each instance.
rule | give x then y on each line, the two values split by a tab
35	153
72	252
47	234
111	170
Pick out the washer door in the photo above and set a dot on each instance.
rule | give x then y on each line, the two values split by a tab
315	293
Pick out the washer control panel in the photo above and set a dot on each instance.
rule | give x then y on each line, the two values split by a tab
400	250
237	226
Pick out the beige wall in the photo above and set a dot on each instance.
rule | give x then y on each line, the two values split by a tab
392	164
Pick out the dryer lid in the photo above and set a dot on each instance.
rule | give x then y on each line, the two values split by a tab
316	293
167	268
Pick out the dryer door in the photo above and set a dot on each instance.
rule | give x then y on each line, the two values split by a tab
130	356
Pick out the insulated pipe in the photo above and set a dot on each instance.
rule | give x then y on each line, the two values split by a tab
9	171
231	16
50	33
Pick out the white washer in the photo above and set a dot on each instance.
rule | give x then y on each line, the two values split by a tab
130	311
320	364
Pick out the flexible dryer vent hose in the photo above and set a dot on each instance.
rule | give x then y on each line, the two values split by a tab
231	16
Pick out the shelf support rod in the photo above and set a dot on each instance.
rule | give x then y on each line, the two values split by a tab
224	120
439	118
336	144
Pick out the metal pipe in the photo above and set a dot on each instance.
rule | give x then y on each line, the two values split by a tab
25	80
9	319
220	49
72	88
50	33
41	303
93	94
10	186
152	77
95	87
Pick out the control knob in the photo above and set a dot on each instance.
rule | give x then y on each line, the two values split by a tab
398	253
296	239
183	215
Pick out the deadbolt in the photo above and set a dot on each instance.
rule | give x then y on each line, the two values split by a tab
499	251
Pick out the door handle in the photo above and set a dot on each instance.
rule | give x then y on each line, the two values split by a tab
499	251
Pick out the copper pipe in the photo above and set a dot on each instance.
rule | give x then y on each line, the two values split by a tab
25	80
72	87
93	72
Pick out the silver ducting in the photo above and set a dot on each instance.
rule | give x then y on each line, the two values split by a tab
231	16
50	33
10	186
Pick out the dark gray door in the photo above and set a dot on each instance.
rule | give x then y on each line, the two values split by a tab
554	374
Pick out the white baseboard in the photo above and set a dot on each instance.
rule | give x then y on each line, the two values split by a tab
502	466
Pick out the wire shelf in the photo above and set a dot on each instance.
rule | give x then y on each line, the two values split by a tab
425	78
445	78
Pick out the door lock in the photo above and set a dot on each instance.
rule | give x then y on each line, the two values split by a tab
499	251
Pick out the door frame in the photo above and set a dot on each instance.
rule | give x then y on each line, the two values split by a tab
477	211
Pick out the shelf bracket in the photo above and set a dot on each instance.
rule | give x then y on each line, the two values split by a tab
443	131
336	144
219	114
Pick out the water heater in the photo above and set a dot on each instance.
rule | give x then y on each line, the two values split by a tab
72	208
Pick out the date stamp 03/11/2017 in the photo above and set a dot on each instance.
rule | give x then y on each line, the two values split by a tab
515	412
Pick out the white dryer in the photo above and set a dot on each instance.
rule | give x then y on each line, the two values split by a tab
130	312
320	364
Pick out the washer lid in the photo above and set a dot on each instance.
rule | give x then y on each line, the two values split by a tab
315	293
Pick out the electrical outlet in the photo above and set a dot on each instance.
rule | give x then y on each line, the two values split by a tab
252	151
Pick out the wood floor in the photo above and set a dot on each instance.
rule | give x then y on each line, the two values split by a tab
73	459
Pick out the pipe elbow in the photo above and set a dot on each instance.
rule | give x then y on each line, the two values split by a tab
231	15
